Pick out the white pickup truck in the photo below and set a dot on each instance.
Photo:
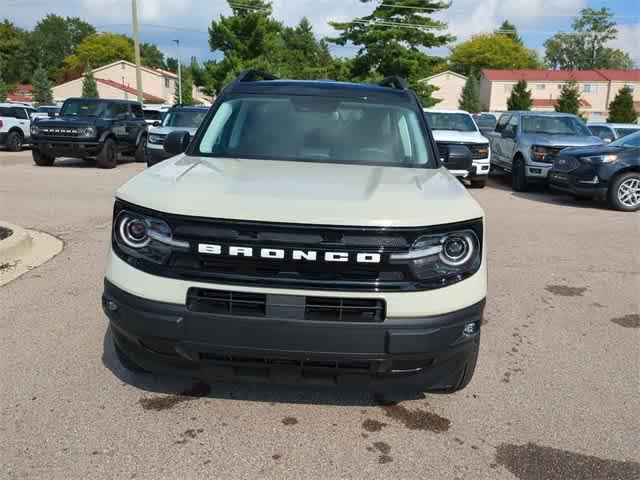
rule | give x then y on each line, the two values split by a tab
14	125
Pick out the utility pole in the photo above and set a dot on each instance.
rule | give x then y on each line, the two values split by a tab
136	47
179	74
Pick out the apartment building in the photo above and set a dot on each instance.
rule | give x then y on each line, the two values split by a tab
597	88
449	88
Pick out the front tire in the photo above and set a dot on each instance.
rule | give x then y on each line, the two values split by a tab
477	183
518	176
624	192
41	159
141	150
108	156
14	141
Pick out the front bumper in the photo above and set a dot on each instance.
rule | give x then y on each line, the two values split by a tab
3	138
66	148
430	351
576	185
537	171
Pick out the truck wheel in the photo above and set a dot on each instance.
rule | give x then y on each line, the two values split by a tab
624	192
14	141
126	361
108	156
141	150
41	159
477	183
518	176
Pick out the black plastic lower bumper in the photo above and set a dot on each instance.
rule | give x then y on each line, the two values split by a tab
568	184
3	138
429	353
68	149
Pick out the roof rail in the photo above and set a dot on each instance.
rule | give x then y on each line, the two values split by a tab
253	75
394	81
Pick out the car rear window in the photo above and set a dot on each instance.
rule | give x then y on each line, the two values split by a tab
317	129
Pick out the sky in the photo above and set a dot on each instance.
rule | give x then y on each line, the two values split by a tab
162	21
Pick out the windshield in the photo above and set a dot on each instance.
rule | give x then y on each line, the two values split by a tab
630	141
184	118
48	110
623	132
459	122
486	121
317	129
85	108
554	125
152	114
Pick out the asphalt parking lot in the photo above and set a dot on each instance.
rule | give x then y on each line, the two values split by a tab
556	394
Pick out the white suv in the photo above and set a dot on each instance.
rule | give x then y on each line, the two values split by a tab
458	127
15	125
308	233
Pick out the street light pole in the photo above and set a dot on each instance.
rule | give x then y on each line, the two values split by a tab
179	74
136	47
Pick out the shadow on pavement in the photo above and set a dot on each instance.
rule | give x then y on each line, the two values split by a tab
89	163
253	392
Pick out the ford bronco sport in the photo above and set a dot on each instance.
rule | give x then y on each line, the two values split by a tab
310	233
88	128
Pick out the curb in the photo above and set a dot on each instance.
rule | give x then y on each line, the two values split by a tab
16	245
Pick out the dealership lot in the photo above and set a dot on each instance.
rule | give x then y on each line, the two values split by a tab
555	394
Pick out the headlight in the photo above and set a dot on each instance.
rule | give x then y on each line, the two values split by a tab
87	132
609	158
448	257
541	154
145	237
156	139
35	130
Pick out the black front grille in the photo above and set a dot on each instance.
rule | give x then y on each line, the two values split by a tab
479	151
325	309
59	131
565	163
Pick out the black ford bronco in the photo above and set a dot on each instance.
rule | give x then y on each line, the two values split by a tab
91	128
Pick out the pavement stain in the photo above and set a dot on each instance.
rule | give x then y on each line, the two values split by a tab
371	425
565	290
417	419
382	447
533	462
198	390
385	459
628	321
276	456
288	421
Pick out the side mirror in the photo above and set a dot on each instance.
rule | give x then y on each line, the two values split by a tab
457	157
156	123
606	140
177	142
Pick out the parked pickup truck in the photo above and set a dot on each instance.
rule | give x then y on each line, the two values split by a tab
524	143
308	232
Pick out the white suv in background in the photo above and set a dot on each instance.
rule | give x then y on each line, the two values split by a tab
15	125
458	127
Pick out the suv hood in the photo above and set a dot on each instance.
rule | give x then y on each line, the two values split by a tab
168	130
562	140
67	121
454	136
301	192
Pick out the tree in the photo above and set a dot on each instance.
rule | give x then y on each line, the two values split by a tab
187	88
151	56
470	97
388	47
493	50
520	98
509	30
3	90
621	109
89	84
569	99
101	49
41	87
14	59
585	48
300	54
172	64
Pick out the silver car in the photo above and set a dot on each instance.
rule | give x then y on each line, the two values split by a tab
524	143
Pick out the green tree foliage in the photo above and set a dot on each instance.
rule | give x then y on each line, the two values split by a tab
391	41
54	38
14	58
470	97
101	49
3	90
41	87
172	64
89	84
151	56
187	87
301	55
585	48
520	98
508	29
493	50
569	99
621	109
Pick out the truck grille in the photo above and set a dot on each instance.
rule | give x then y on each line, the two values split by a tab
479	151
59	131
565	163
327	309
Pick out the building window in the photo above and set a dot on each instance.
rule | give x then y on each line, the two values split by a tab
123	66
541	86
589	88
631	87
560	86
508	88
166	82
